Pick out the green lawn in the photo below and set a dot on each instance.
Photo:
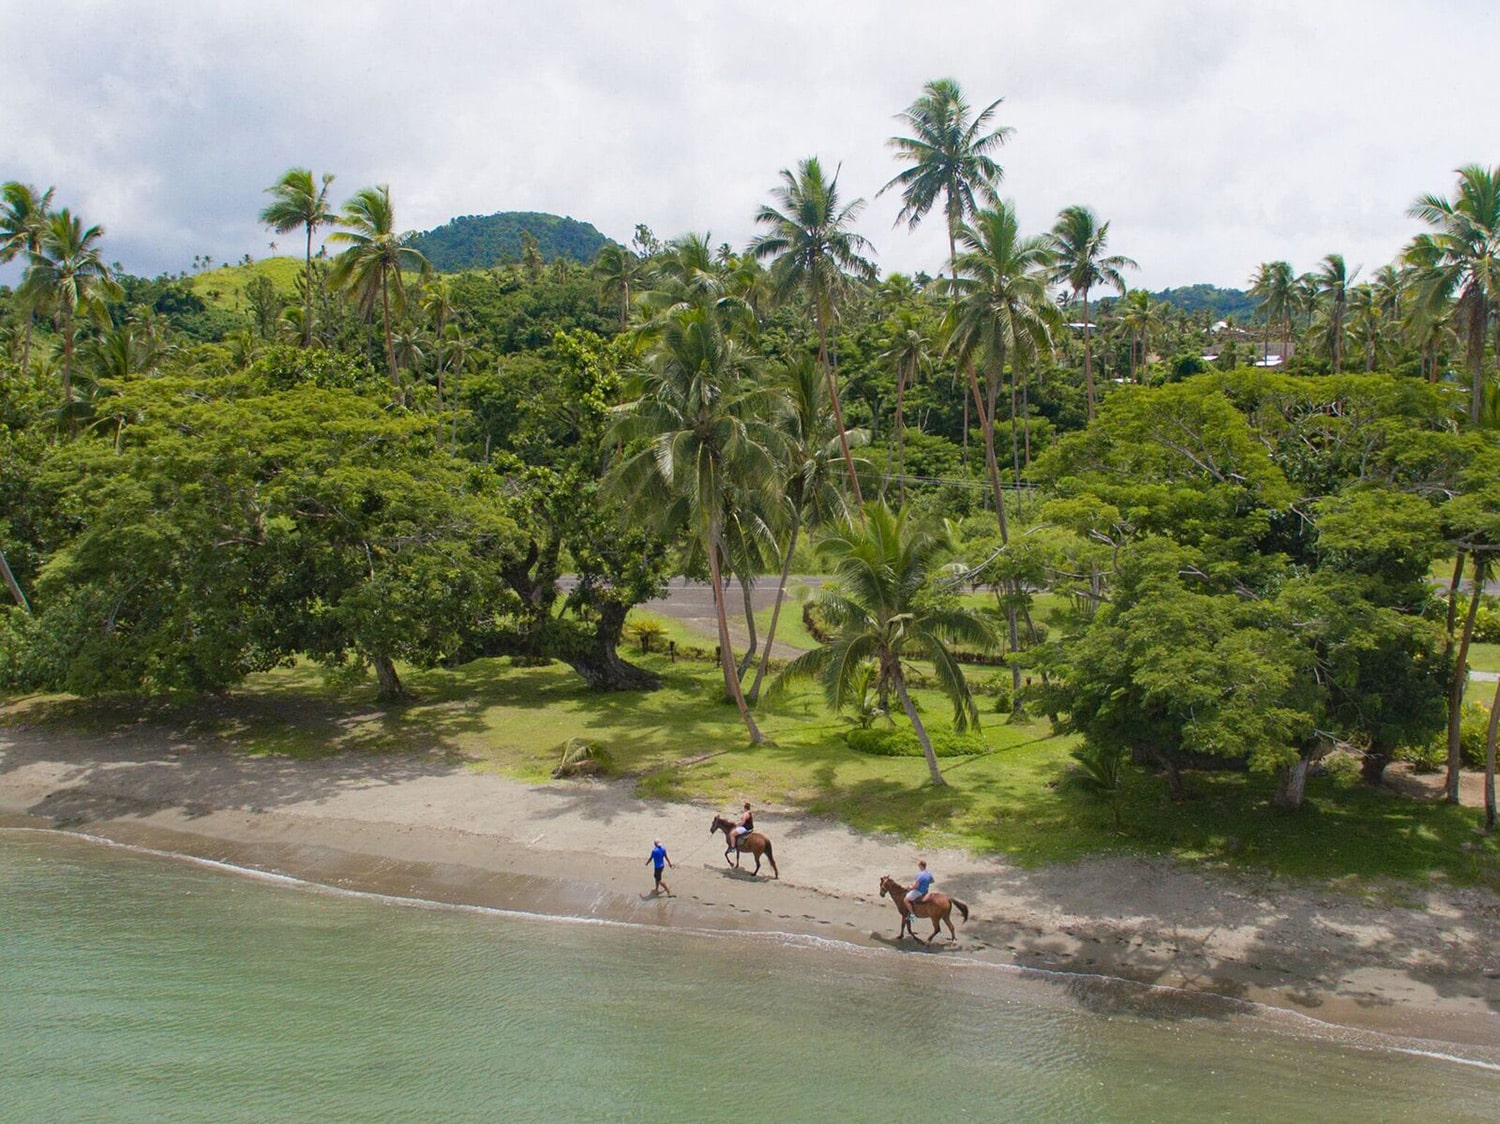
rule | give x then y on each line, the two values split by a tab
683	742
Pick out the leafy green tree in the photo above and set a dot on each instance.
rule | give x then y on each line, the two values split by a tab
1077	246
297	202
1459	261
813	252
884	611
693	436
370	269
23	223
68	276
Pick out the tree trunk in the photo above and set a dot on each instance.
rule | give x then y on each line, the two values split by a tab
390	346
992	466
15	586
838	410
726	654
786	570
1088	357
1291	785
307	297
1453	587
600	664
916	724
746	591
1372	764
1460	682
1489	761
390	686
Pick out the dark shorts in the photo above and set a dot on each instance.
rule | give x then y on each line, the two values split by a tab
657	870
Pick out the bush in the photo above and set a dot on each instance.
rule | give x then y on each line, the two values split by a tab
901	741
583	759
1474	727
648	632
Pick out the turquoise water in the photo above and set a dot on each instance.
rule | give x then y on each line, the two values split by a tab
138	987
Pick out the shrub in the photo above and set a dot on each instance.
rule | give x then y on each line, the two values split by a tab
901	741
647	631
1474	725
582	758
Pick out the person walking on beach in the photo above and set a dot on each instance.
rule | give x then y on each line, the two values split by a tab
919	891
658	860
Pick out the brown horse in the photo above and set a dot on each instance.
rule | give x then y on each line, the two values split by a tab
936	907
754	842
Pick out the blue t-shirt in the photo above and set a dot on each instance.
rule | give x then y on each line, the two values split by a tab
924	881
658	856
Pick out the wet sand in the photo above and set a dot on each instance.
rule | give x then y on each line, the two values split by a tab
1410	961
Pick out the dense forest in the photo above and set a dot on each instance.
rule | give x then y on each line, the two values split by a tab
482	241
1242	547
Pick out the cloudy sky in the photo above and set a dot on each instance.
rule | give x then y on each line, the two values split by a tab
1211	135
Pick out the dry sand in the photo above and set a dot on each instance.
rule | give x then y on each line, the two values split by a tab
1418	962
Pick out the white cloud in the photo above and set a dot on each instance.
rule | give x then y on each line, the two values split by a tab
1212	136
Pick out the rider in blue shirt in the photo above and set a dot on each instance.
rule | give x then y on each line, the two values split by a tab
919	891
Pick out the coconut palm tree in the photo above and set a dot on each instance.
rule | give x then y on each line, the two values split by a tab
1458	262
68	276
1077	245
1139	318
1274	286
370	269
619	273
813	251
1333	280
810	452
883	612
949	157
299	203
1001	313
23	220
686	274
908	348
694	435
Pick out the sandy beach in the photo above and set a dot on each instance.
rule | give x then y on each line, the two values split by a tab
1412	961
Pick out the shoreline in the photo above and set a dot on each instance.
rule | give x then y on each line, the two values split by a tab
1409	962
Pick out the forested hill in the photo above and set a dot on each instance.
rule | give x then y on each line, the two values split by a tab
1223	303
480	241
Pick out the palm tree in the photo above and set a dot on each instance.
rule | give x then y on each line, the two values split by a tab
68	276
695	435
1079	262
618	272
1333	280
813	250
810	494
1463	262
1274	286
23	220
949	154
883	612
908	348
298	202
1139	317
1001	311
686	274
371	267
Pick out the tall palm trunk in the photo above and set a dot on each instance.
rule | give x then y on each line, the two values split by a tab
1489	761
838	409
1460	682
307	296
1088	356
786	570
899	682
726	653
992	466
746	593
12	584
390	345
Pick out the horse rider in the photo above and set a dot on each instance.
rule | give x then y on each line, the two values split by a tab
745	826
919	891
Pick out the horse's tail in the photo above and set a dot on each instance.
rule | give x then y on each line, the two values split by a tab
961	907
771	858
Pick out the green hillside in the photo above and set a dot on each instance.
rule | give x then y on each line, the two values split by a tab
225	287
481	241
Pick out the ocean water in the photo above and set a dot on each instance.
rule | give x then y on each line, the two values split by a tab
136	986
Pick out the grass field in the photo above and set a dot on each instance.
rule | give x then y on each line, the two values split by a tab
225	286
685	743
